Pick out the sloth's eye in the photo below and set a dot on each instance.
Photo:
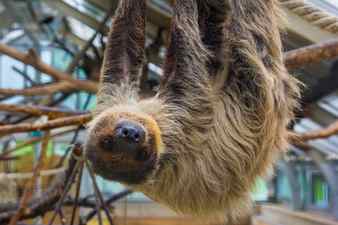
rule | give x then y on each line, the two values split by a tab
142	155
107	142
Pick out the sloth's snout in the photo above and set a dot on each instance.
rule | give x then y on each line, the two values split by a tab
122	152
130	133
127	138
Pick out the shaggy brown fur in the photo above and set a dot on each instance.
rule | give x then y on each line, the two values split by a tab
221	114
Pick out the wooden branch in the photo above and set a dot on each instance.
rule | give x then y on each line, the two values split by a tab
48	89
36	110
318	134
52	124
311	54
33	141
27	195
32	59
299	139
50	103
38	206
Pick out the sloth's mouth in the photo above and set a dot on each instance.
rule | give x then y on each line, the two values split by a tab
130	171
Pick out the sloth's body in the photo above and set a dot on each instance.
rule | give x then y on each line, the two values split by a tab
219	119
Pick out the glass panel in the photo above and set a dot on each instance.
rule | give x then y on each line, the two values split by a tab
8	78
260	191
330	6
86	8
60	59
320	191
283	187
83	31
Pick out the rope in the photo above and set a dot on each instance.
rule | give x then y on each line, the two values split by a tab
313	14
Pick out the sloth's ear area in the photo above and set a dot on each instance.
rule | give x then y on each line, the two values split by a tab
125	54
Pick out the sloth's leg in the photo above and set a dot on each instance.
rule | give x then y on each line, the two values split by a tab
124	56
213	17
188	85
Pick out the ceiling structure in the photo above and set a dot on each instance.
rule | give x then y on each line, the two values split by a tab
77	21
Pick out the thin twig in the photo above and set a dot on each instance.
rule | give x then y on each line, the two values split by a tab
38	206
46	89
65	192
98	193
77	194
32	141
317	134
108	202
85	48
27	193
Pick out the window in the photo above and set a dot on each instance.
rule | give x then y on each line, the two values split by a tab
260	191
283	187
320	191
86	8
330	6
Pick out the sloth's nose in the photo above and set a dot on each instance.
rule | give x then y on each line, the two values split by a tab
127	139
130	133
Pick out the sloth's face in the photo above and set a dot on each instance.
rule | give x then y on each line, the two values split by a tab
123	146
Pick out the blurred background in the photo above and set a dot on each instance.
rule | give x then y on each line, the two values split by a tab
50	57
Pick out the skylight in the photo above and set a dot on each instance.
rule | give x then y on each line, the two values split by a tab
333	2
330	6
86	8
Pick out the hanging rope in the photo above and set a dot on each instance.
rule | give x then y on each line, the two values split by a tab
313	14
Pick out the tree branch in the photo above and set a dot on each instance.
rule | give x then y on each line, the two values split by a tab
52	124
40	205
311	54
27	195
32	141
48	89
32	59
36	110
317	134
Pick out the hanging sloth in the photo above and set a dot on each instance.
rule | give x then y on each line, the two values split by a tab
221	114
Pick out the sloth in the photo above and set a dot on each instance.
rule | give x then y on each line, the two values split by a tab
219	119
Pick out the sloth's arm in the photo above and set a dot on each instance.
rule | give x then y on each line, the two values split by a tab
187	85
213	17
124	56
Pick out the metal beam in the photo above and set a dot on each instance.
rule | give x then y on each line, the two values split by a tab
321	116
104	5
161	18
156	15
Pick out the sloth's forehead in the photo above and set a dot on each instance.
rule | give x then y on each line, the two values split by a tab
110	117
118	115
